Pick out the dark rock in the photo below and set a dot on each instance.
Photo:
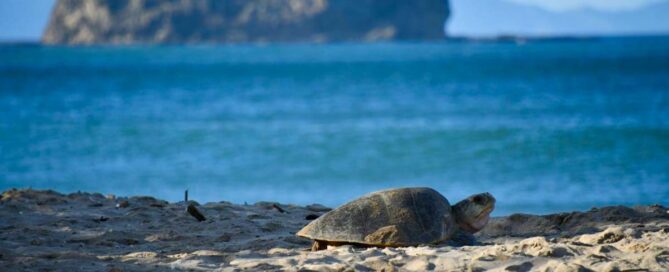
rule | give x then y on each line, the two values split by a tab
191	21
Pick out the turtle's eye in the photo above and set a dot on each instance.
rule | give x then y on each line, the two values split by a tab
478	199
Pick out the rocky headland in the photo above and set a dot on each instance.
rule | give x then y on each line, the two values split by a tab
241	21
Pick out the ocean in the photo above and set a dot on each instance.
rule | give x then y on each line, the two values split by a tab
545	126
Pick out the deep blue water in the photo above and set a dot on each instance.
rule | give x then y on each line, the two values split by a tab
544	126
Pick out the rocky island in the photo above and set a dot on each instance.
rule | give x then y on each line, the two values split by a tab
241	21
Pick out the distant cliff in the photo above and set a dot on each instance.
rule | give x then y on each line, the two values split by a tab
213	21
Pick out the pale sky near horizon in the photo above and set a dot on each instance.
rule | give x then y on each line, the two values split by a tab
24	20
601	5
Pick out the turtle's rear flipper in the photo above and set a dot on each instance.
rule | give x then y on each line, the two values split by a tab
319	245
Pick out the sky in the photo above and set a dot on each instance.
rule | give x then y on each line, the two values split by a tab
485	18
601	5
24	20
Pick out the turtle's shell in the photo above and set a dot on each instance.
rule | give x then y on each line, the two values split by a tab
395	217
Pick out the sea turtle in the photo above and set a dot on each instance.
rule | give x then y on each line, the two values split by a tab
400	217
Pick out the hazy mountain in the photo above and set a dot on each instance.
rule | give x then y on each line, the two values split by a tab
495	17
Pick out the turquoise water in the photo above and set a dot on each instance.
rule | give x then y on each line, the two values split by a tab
545	126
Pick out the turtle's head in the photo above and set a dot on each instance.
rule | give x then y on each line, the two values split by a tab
473	213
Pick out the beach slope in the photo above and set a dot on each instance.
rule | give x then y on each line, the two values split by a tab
46	231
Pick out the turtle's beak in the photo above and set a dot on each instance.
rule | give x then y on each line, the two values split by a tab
487	211
489	205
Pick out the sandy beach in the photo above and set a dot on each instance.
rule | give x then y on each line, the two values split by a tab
49	231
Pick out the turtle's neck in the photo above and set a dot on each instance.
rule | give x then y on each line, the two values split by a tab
462	224
465	226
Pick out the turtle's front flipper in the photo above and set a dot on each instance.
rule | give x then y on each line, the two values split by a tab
318	245
461	238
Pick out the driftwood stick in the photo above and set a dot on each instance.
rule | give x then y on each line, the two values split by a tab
275	206
192	210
